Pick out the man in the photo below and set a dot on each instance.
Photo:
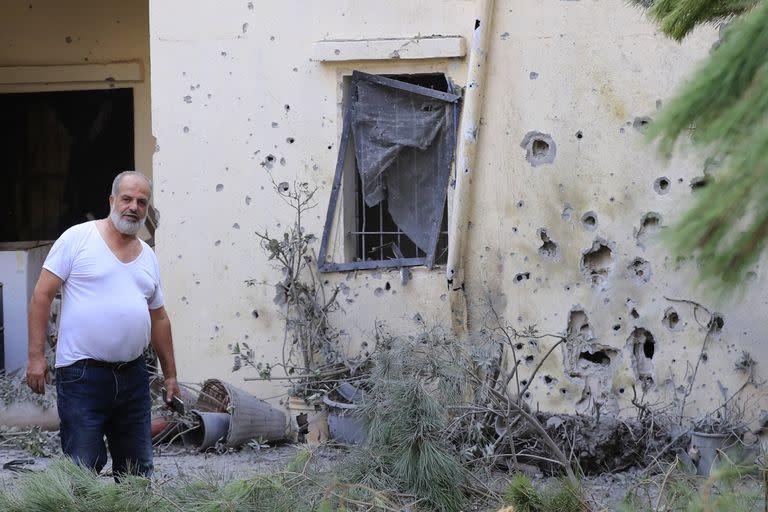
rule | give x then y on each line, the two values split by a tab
112	307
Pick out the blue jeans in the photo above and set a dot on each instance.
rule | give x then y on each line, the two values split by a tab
95	402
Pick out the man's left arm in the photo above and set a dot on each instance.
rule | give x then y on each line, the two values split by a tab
162	342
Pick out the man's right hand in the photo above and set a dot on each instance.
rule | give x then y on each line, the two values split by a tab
37	375
39	310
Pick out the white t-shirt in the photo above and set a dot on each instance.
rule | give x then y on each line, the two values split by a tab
105	302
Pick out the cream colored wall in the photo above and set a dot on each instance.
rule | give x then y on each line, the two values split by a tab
223	76
80	35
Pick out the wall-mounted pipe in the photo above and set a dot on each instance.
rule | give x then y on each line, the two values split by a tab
465	163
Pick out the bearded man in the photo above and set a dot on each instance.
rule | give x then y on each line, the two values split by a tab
112	307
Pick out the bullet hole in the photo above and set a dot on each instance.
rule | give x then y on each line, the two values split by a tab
187	99
223	54
650	224
378	292
290	140
274	124
533	75
268	162
596	263
578	326
283	187
186	129
567	212
247	200
704	357
520	204
519	346
387	286
699	183
219	187
505	36
589	221
527	394
548	379
524	382
217	243
649	347
579	135
671	319
716	323
529	358
563	391
68	39
599	357
643	349
548	248
621	390
617	327
522	276
745	363
255	314
634	314
245	28
641	123
661	185
287	107
640	270
539	147
330	146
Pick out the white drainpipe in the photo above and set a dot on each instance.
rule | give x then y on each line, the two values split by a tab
465	163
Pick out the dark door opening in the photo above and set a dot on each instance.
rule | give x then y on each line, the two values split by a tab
59	152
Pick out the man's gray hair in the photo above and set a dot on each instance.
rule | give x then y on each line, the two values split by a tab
119	178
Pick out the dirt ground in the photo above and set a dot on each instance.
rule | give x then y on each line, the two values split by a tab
604	490
173	461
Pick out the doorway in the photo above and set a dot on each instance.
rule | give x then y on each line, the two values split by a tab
59	152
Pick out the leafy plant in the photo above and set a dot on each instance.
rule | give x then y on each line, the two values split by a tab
559	496
729	488
406	406
523	495
310	347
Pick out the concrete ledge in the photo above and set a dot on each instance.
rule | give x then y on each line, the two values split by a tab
112	72
430	47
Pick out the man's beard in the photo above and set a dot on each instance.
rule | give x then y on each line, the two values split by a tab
125	226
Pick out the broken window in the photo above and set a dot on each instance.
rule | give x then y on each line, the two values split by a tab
388	201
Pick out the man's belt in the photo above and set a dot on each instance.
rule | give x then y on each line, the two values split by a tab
112	366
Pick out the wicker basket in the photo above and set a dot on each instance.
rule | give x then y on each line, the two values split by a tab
251	418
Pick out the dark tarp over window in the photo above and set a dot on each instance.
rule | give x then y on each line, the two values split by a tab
400	141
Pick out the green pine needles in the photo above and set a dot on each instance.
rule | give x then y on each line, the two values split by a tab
724	108
406	451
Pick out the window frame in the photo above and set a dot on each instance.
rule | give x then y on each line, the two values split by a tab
444	170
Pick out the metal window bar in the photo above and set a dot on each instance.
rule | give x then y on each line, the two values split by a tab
440	230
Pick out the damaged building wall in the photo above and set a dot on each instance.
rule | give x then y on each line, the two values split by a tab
565	202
